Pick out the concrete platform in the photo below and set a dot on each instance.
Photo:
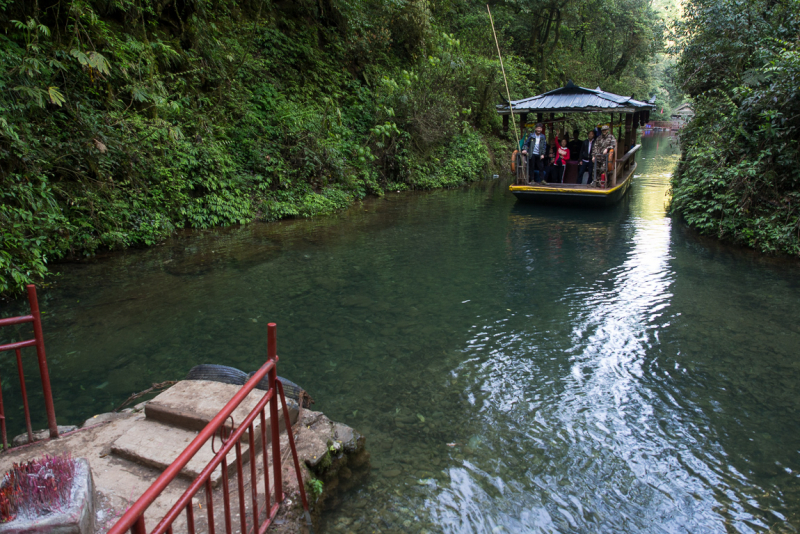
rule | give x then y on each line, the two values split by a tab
119	482
174	418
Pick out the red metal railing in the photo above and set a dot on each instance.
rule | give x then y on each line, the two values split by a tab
671	125
38	342
231	439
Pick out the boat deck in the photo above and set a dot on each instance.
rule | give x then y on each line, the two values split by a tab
581	194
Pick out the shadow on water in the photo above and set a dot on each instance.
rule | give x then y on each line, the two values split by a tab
515	368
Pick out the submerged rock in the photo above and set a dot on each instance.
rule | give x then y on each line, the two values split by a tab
334	454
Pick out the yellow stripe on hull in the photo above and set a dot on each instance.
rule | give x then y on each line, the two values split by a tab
578	195
553	189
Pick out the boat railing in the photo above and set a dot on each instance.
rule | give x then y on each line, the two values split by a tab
629	154
522	168
625	162
628	159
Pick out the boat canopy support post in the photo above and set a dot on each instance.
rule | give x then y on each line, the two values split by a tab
614	176
505	123
628	131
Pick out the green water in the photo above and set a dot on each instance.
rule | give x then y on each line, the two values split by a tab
514	368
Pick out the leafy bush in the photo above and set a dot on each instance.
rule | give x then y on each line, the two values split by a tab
465	159
33	229
738	179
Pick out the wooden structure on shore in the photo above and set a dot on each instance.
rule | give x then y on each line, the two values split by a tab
683	113
624	112
659	126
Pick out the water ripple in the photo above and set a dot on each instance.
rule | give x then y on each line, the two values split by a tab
514	368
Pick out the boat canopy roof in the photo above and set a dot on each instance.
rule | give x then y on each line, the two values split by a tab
574	99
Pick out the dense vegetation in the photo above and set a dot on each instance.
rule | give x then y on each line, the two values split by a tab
739	178
123	120
665	87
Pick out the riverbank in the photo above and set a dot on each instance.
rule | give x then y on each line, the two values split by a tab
307	204
126	122
127	451
180	118
737	180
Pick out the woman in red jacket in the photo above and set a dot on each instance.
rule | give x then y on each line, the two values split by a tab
562	157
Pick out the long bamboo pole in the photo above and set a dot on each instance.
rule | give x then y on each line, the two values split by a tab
508	93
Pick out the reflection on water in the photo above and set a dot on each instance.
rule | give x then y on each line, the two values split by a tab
515	368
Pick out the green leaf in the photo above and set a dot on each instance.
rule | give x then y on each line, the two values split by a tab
80	56
99	63
55	96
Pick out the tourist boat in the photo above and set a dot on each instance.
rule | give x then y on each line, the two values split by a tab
574	99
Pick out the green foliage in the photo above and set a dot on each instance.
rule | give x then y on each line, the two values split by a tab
608	45
465	159
304	203
739	178
665	89
121	122
32	230
315	488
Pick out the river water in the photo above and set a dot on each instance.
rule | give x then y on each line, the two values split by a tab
514	368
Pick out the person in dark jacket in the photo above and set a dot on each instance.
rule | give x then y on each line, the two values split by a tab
586	159
574	146
536	148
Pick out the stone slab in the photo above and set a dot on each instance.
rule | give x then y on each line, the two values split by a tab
191	404
79	518
154	444
118	482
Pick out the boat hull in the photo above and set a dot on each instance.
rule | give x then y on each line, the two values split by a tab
573	196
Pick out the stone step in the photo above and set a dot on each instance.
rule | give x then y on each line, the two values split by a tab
191	404
155	444
174	418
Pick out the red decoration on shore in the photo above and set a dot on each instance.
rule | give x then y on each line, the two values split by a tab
37	488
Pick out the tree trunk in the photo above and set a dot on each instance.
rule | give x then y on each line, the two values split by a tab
629	47
557	36
543	49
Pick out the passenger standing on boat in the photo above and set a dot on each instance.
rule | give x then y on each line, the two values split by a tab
536	148
560	163
586	158
575	145
606	142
